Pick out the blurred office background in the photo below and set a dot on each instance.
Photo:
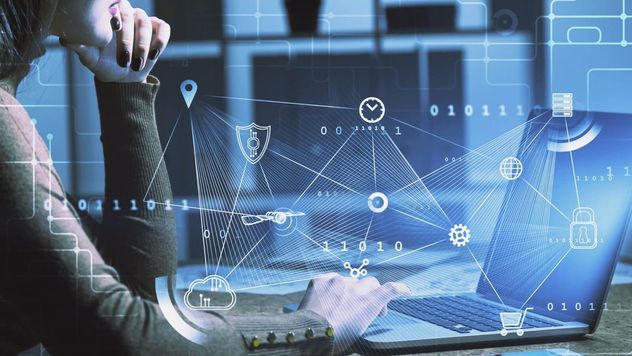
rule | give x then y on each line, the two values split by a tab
464	70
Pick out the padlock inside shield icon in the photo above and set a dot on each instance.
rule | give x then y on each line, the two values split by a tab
583	230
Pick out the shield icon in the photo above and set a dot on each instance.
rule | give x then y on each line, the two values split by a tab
253	141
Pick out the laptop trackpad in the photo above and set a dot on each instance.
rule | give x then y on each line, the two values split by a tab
396	326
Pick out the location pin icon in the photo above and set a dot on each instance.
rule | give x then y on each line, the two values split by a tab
188	89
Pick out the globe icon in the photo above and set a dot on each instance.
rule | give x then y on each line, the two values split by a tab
511	168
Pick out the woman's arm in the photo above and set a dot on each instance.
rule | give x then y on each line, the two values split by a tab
58	286
139	243
53	277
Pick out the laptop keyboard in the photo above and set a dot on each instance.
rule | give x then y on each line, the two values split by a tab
461	314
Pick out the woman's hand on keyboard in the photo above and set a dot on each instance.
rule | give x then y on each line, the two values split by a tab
349	305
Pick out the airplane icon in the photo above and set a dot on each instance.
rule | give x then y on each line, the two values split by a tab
277	217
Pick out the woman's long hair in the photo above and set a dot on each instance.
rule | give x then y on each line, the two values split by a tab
23	26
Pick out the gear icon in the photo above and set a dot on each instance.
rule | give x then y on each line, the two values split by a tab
460	235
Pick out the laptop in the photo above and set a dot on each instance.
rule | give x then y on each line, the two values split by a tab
552	295
555	243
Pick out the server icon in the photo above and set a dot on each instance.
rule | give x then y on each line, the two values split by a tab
562	104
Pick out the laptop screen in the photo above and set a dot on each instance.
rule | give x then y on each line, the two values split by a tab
562	221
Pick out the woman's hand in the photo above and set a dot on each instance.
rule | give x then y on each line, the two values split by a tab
348	304
133	50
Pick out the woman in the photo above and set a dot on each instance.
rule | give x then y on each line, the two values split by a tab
81	287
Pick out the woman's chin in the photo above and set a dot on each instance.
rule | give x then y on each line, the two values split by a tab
99	39
102	38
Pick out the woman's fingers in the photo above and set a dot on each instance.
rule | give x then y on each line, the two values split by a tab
125	36
133	51
142	39
384	311
326	277
116	21
371	288
368	285
136	37
348	304
390	291
162	33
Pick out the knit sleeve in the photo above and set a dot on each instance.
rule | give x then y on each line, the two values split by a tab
137	235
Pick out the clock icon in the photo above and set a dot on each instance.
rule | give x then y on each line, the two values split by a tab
372	110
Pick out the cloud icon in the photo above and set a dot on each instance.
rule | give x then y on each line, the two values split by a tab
210	293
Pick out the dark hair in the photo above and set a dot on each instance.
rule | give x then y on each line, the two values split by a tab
23	26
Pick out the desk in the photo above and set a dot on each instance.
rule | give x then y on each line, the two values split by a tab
612	336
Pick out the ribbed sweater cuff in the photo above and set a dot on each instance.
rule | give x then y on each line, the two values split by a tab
298	323
126	108
131	144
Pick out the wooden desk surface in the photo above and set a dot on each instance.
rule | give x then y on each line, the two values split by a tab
614	335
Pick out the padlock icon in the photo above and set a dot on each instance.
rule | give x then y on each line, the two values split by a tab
583	231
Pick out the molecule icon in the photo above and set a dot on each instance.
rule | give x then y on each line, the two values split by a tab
356	272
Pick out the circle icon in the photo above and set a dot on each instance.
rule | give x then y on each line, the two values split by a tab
378	202
253	142
372	110
280	218
285	224
511	168
505	22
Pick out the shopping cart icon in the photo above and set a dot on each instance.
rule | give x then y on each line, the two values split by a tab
512	321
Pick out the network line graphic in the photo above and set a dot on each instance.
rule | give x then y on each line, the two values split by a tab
350	192
356	190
